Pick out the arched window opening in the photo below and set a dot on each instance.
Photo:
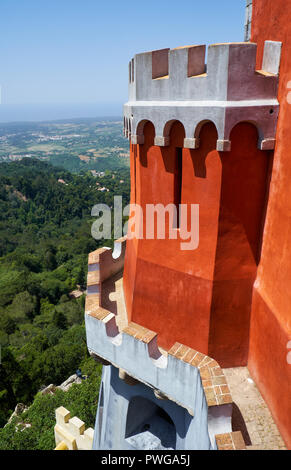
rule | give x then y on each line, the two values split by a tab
148	426
176	132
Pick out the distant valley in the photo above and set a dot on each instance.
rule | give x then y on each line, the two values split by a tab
77	145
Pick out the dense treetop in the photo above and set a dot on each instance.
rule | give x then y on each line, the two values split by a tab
45	238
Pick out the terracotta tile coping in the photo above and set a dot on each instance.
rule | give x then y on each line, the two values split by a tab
230	441
213	379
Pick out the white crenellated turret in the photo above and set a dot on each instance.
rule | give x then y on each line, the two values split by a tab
175	84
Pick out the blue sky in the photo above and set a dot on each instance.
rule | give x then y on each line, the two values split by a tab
69	51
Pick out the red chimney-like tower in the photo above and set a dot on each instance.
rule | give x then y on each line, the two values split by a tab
201	135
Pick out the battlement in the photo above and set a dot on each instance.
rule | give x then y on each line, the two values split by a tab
181	375
181	74
134	348
177	84
70	433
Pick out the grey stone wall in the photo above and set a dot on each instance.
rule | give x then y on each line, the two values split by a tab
146	429
248	21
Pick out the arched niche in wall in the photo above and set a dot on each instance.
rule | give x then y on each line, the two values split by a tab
245	171
245	182
148	426
147	129
206	133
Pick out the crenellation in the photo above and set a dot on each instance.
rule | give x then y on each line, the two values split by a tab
185	76
70	433
176	84
113	346
179	376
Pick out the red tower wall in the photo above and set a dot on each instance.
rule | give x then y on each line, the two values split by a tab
202	297
244	192
271	309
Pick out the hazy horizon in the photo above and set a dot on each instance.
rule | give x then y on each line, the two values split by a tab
37	112
69	59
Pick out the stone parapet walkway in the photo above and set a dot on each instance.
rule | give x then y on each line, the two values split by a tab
251	414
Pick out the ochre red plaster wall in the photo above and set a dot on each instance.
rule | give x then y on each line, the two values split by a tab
244	190
271	309
200	298
163	294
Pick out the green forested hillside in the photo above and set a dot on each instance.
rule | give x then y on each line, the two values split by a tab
45	238
34	428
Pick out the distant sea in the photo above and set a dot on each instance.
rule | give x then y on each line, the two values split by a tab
53	112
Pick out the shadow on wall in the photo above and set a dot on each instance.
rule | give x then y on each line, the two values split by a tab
148	426
245	181
238	424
